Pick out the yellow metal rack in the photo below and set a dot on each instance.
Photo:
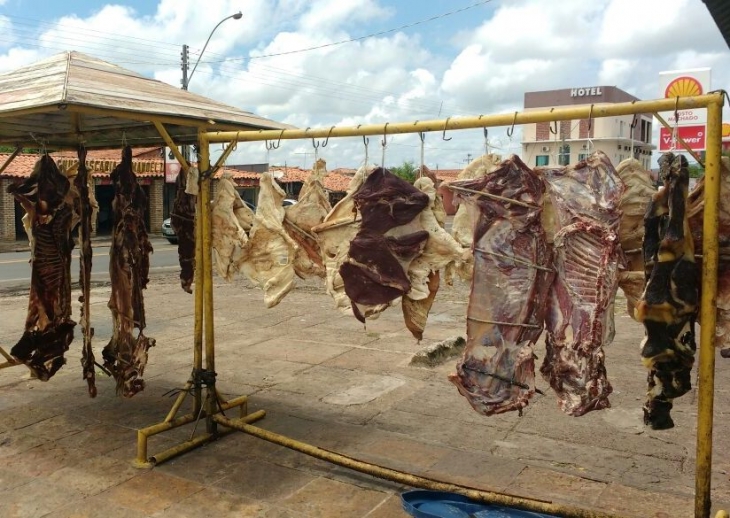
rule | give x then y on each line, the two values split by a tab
209	405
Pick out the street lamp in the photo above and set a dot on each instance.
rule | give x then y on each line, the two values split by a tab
186	79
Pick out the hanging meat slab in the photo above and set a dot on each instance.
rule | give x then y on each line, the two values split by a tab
334	235
668	308
84	186
695	208
580	315
125	356
639	189
46	198
182	220
441	251
312	207
229	239
507	302
268	260
389	239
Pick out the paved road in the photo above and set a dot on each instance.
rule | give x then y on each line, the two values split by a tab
15	268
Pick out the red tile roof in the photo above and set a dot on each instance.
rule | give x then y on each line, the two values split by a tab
237	174
446	175
22	165
336	180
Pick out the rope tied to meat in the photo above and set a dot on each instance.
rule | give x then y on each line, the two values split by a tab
499	377
515	259
497	322
493	196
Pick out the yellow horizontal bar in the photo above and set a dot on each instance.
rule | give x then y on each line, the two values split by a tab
481	121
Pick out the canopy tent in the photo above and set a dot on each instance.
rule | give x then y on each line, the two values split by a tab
72	98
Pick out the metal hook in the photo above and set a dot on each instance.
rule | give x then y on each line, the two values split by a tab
328	137
511	130
315	144
590	119
384	142
634	121
365	141
422	136
446	124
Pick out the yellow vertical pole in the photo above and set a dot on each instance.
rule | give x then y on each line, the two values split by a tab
198	336
207	274
708	311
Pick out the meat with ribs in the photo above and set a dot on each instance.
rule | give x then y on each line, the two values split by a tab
228	238
268	260
125	356
84	186
509	287
182	220
440	252
334	235
48	325
312	207
668	308
389	239
695	209
580	317
638	191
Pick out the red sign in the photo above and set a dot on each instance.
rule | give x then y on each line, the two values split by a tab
694	136
172	169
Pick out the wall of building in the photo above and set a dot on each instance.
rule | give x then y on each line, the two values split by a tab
7	212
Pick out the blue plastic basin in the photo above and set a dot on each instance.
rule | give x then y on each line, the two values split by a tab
441	504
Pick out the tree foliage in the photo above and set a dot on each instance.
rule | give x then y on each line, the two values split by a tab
407	171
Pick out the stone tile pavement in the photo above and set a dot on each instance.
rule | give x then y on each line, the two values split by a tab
325	379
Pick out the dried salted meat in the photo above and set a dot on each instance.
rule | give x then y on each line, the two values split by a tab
509	287
46	198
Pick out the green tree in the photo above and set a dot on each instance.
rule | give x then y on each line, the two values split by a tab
407	171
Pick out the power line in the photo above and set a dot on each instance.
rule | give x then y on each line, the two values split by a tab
359	38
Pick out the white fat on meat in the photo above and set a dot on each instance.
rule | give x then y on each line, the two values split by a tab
634	201
440	252
311	209
334	235
229	240
268	261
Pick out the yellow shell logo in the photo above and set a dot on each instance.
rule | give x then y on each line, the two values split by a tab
683	87
725	130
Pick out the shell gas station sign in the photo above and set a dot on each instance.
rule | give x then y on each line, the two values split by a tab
691	124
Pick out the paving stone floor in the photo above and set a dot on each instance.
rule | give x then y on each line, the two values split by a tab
324	379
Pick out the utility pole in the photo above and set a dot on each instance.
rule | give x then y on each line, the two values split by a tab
185	55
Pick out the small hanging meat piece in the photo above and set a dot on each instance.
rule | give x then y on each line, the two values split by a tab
48	326
182	220
86	212
125	356
229	239
668	307
389	239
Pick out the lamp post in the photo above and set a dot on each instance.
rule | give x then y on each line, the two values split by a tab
186	79
185	56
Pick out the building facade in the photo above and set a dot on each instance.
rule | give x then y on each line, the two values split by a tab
567	142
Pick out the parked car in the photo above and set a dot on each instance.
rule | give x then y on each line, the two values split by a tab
288	201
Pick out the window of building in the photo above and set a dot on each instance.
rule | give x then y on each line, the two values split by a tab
621	125
582	156
564	155
542	160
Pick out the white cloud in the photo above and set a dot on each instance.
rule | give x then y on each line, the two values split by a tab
523	45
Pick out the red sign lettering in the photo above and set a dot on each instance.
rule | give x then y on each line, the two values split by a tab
694	136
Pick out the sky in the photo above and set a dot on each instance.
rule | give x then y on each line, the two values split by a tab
475	57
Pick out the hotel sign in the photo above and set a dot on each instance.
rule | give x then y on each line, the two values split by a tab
591	91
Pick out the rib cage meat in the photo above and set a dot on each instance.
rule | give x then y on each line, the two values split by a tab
125	356
511	277
48	326
579	319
